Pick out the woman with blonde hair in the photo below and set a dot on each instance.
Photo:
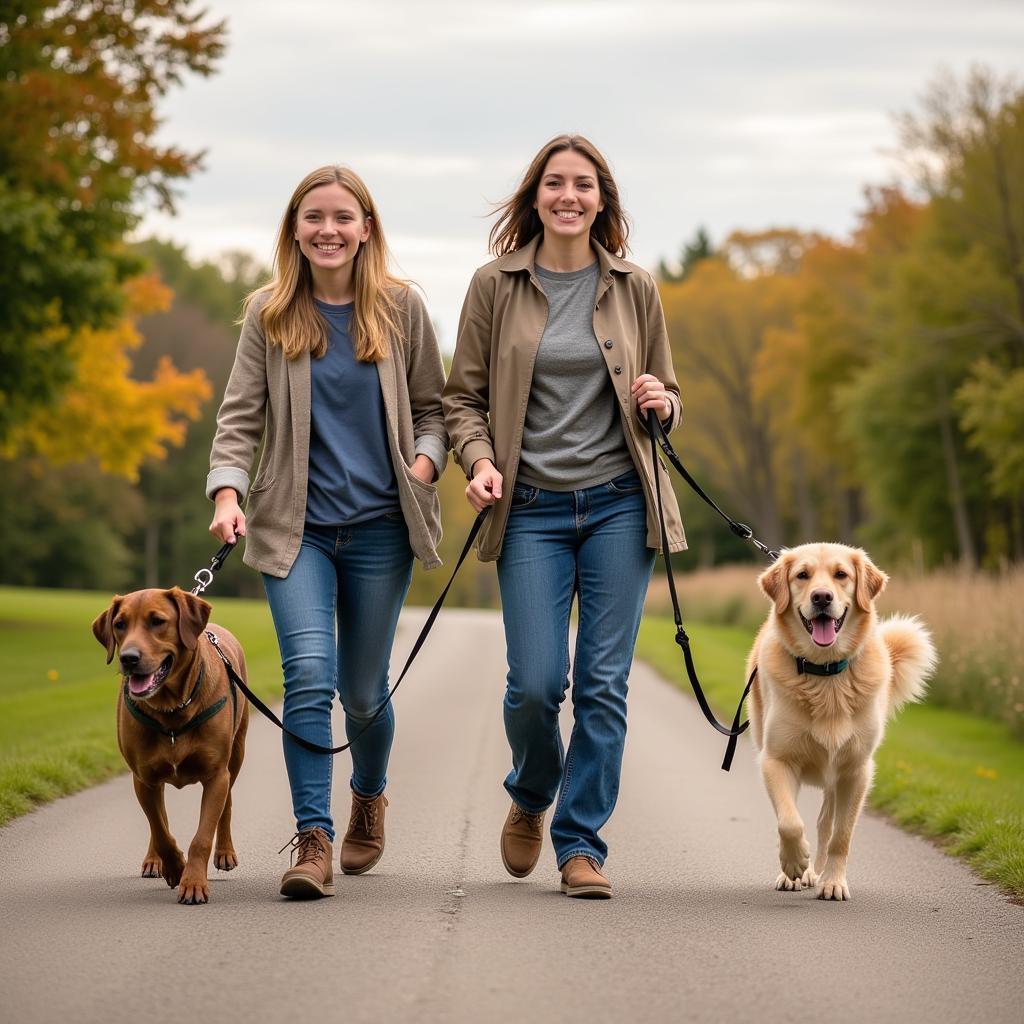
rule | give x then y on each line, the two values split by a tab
561	356
338	371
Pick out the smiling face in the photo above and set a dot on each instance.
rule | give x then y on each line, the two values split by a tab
153	632
330	225
823	595
568	196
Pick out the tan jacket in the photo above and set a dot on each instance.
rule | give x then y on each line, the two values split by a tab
268	396
500	330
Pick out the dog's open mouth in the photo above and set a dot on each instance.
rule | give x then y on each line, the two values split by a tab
145	685
823	628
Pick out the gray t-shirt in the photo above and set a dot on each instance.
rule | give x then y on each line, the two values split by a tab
572	437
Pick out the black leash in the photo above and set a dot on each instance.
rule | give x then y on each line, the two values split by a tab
204	578
744	532
657	434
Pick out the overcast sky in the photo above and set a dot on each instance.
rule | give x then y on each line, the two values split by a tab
722	113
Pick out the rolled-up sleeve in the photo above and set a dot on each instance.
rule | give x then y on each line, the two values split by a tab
425	381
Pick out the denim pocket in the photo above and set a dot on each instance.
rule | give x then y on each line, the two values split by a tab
523	495
628	483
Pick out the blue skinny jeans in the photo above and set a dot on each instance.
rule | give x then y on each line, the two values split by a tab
335	614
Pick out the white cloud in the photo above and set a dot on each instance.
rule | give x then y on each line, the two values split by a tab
723	113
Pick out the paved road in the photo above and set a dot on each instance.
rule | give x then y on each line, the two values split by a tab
439	932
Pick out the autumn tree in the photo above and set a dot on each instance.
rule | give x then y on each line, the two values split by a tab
935	418
719	319
79	85
689	256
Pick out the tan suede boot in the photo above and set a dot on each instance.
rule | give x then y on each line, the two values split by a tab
363	844
582	877
522	836
312	874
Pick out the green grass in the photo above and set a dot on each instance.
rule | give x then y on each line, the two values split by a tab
58	695
946	774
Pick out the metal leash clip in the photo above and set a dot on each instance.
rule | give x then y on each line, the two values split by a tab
204	577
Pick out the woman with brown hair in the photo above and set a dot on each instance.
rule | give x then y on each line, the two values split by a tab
339	372
562	353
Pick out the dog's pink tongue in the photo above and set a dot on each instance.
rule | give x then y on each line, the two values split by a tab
823	630
140	684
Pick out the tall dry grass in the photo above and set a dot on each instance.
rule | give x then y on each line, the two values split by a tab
977	620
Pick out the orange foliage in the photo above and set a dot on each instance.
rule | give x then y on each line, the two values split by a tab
104	413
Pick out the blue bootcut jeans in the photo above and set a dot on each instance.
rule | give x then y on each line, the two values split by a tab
356	576
590	544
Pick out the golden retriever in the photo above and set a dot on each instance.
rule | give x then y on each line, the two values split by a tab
179	721
829	674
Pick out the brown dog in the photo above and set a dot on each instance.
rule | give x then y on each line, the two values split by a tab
179	720
829	675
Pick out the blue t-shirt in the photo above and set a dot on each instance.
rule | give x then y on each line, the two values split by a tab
351	477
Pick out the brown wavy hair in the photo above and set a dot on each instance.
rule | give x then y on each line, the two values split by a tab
518	221
290	318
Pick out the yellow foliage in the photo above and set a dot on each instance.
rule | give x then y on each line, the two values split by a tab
106	415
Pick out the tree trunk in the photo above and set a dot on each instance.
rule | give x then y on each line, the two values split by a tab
968	555
151	551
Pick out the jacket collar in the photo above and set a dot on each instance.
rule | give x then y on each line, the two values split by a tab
526	259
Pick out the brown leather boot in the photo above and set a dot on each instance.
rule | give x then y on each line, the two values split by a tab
363	844
582	877
521	838
312	873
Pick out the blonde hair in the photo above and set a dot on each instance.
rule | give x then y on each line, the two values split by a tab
290	317
518	221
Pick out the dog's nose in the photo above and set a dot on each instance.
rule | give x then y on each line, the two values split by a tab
130	657
820	598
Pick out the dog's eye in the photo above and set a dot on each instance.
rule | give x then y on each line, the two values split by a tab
120	625
156	621
840	574
803	575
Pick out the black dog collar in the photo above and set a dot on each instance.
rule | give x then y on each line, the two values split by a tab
830	668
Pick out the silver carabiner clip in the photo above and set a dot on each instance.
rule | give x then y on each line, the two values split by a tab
203	579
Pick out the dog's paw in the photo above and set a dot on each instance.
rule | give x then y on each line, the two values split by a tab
788	883
225	860
194	889
794	860
172	866
152	867
833	887
809	879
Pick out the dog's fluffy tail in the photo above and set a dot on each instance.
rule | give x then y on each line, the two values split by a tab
913	658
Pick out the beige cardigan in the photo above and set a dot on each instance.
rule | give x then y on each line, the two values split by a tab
500	330
268	396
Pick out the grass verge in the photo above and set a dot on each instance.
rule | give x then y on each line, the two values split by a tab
57	695
948	775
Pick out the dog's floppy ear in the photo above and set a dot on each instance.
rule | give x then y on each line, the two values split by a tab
103	627
775	583
193	615
871	580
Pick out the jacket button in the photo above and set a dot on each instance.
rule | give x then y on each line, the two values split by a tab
618	369
608	343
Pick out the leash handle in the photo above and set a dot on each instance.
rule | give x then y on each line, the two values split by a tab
681	638
427	626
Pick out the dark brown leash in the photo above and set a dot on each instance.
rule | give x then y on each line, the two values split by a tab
204	578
